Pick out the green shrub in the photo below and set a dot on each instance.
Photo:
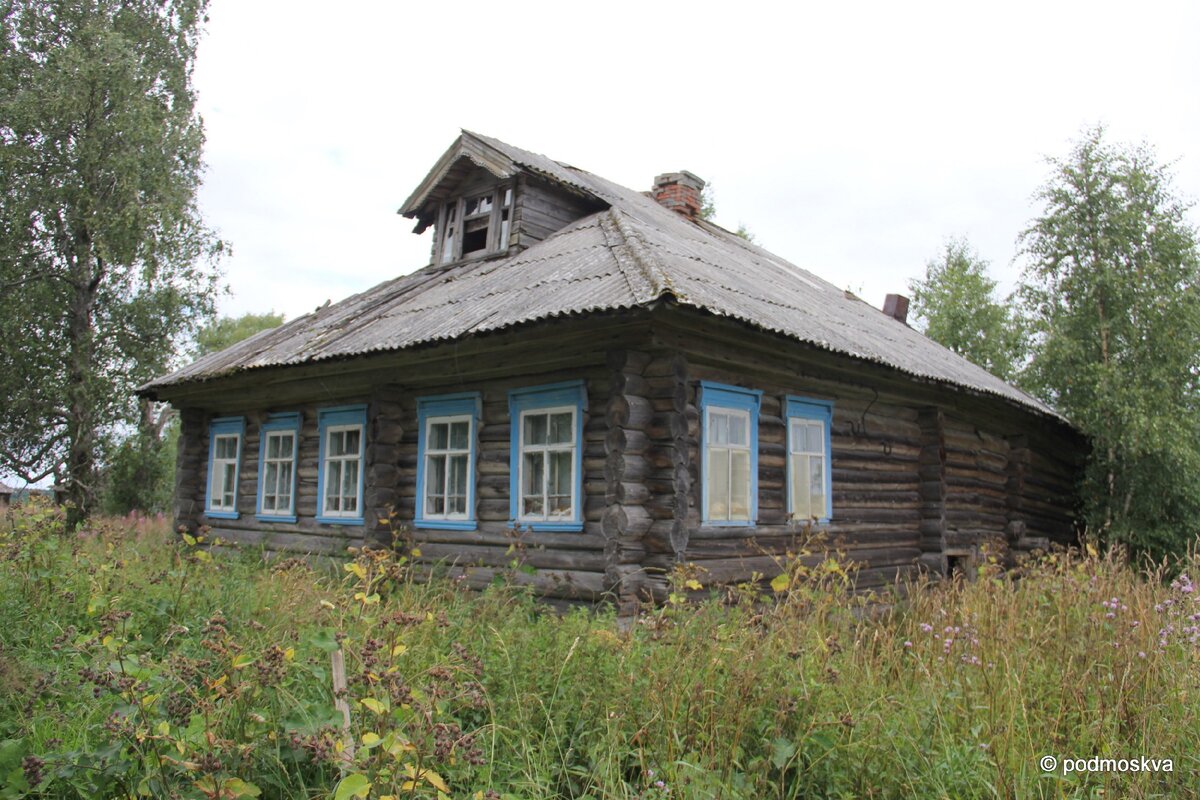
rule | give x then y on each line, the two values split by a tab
134	663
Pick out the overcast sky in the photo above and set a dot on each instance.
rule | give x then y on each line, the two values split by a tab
851	139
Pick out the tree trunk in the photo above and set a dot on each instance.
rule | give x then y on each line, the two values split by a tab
81	425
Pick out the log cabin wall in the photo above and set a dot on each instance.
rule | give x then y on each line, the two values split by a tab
918	470
569	565
922	475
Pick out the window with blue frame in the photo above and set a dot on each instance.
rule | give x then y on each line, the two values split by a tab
279	441
810	480
729	468
340	480
224	462
546	468
446	454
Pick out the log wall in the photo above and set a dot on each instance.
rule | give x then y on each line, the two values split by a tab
922	474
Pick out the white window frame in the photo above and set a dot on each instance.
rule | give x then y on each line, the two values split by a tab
738	401
817	413
731	448
328	460
224	428
448	452
523	449
220	466
265	490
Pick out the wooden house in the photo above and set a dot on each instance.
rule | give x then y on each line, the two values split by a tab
622	385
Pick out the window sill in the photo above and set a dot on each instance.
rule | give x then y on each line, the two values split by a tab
276	518
549	527
222	514
446	524
728	523
340	520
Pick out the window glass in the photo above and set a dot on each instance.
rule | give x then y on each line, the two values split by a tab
808	461
447	449
342	469
548	465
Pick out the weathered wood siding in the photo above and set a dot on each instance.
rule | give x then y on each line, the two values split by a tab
542	209
306	534
922	474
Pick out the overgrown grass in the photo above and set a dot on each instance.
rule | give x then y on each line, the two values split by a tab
134	664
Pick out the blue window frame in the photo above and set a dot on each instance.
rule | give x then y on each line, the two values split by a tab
225	437
546	463
447	436
809	463
278	445
343	434
729	460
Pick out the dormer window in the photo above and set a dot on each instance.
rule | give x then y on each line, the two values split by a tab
475	225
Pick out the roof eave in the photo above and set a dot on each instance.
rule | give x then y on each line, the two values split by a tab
465	146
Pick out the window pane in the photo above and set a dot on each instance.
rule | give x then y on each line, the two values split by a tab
227	482
507	198
284	499
448	246
353	438
535	428
438	436
739	485
719	435
816	437
272	446
560	428
817	474
458	477
435	481
349	484
801	508
458	435
738	430
718	483
561	473
226	447
336	443
534	475
333	479
270	486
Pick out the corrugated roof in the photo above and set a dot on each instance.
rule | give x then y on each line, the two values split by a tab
631	254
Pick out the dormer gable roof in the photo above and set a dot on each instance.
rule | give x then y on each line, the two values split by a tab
473	150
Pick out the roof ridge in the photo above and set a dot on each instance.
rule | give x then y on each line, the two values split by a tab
645	275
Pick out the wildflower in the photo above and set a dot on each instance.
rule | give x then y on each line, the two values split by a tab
1141	654
926	627
908	644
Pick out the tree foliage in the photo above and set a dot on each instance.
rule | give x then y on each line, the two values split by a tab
139	472
105	264
228	331
1110	289
956	306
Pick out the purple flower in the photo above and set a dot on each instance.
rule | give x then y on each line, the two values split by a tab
926	627
908	644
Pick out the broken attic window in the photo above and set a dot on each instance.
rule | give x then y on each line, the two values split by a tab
475	225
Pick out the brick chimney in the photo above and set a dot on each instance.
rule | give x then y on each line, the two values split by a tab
896	307
680	192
